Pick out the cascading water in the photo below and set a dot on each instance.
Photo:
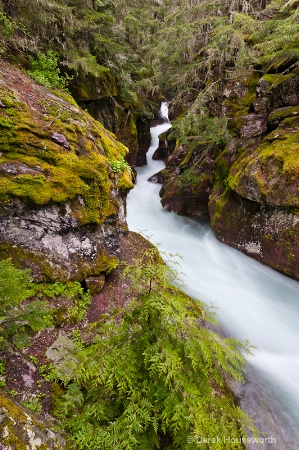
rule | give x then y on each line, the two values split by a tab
253	302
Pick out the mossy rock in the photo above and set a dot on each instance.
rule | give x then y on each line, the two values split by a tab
277	116
57	184
90	88
277	91
57	174
270	174
269	234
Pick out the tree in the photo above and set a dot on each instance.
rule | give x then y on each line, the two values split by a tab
155	376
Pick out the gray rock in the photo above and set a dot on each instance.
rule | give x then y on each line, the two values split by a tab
61	140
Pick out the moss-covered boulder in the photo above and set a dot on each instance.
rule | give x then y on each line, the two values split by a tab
266	233
269	175
255	208
61	204
276	91
188	179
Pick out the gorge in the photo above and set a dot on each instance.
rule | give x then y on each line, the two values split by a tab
98	349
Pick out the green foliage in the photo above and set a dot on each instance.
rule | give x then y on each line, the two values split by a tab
71	290
45	70
18	320
280	47
33	403
202	128
155	374
47	371
119	165
2	374
23	321
2	368
8	25
7	28
14	285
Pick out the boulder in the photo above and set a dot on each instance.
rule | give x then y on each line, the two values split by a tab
62	206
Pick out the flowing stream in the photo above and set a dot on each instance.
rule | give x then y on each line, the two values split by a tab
253	302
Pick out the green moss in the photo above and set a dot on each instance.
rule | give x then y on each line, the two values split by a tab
5	123
192	178
282	113
219	197
275	79
240	106
24	258
61	174
56	394
13	409
13	431
124	180
221	166
65	96
274	163
94	87
28	258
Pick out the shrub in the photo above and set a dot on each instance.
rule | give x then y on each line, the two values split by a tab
45	70
155	377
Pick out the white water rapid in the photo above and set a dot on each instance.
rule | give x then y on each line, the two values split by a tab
253	302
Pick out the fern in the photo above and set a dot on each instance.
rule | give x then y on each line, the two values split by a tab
155	374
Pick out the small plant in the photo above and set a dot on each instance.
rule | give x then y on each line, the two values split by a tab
71	290
2	368
13	393
47	372
33	359
2	374
33	403
45	70
119	165
16	286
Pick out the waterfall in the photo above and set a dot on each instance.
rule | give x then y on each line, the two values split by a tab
253	302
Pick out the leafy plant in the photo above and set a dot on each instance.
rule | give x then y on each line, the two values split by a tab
71	290
45	70
155	375
119	165
33	403
2	374
15	285
18	320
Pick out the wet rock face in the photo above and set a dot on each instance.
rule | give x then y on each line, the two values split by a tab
276	91
144	141
249	189
188	180
268	234
256	207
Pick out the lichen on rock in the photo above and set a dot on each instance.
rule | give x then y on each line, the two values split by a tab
21	430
